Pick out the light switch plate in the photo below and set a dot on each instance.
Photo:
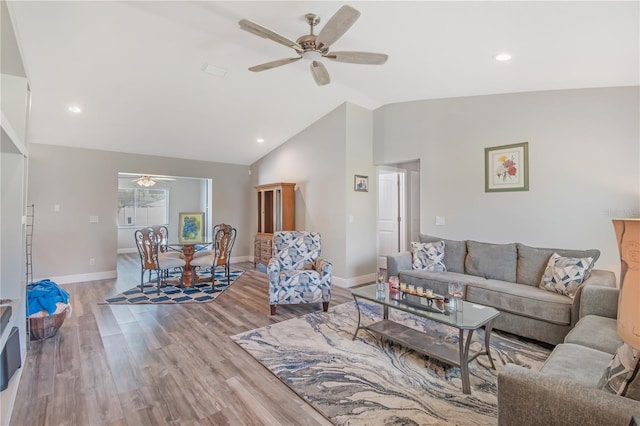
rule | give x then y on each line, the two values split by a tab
440	220
94	219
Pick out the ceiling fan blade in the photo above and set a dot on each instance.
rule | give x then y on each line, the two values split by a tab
320	74
273	64
263	32
337	26
367	58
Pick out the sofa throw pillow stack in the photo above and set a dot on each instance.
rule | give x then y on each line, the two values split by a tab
565	274
620	370
428	256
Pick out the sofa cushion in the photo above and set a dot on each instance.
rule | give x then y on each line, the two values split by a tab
532	261
620	370
577	363
521	300
565	274
594	331
496	261
428	256
454	252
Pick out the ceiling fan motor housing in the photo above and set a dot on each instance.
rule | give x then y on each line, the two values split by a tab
308	44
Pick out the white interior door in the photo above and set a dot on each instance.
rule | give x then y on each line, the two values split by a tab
390	210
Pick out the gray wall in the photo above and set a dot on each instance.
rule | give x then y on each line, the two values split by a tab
84	183
322	160
361	214
584	164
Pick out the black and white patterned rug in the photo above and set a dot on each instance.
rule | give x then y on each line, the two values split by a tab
368	381
199	293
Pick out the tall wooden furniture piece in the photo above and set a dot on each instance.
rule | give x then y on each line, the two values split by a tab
276	212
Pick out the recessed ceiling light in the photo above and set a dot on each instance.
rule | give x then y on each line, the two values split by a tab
260	140
502	57
75	109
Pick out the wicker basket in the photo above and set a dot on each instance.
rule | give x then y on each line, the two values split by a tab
45	327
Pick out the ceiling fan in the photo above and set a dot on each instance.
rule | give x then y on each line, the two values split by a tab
313	47
146	181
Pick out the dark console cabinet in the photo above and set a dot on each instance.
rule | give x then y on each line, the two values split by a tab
10	359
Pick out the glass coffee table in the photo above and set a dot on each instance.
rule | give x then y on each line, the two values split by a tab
470	317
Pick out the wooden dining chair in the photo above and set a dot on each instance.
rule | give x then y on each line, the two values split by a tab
223	240
148	243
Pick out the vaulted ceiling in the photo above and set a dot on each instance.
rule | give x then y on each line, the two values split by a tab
135	68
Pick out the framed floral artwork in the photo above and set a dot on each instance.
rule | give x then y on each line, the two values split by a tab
360	183
191	227
506	168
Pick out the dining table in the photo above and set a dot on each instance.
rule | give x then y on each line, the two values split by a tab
188	249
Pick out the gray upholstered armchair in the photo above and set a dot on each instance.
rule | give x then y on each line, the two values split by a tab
297	273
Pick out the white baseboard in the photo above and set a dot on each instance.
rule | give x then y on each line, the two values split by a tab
127	250
77	278
350	282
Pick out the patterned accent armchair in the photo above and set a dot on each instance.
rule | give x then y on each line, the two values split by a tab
297	273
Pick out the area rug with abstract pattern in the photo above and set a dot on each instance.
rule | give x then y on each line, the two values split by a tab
200	293
369	381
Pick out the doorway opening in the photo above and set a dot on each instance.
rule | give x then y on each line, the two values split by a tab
398	208
159	204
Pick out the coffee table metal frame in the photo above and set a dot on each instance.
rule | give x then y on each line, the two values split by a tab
470	318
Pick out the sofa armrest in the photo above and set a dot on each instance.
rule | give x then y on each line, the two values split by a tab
597	278
601	301
397	262
601	278
532	398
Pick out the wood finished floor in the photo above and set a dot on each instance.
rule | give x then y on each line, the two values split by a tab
160	364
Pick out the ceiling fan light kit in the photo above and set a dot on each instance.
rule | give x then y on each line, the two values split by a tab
145	181
314	47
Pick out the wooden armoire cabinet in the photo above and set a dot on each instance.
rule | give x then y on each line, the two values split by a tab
276	212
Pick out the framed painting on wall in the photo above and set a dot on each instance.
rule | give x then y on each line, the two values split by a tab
191	226
360	183
506	168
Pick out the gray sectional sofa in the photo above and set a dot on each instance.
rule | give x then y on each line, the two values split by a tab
566	390
506	277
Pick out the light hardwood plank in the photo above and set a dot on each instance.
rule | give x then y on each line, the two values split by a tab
160	364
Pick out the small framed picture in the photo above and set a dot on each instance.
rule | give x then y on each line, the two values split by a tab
361	183
506	168
191	226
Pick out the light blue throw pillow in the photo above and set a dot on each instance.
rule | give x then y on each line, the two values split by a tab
428	256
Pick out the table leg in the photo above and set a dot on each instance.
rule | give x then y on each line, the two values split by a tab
487	335
188	275
464	359
358	327
385	312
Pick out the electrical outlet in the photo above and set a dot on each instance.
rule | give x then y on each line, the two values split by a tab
92	261
440	220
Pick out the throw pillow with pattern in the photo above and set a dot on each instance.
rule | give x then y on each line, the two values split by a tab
565	274
620	370
428	256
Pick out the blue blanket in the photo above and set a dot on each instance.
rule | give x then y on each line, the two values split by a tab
43	296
